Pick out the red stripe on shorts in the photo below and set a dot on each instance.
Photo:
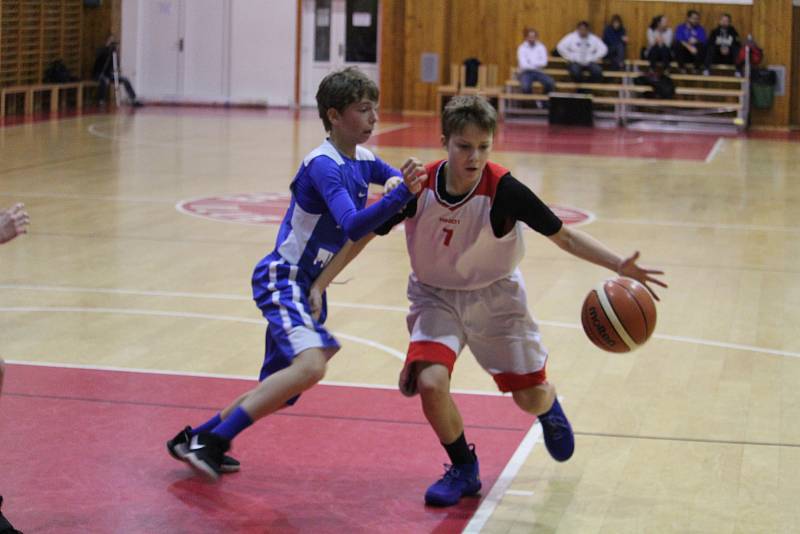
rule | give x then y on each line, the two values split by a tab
431	351
512	382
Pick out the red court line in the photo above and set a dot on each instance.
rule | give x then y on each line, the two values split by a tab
83	451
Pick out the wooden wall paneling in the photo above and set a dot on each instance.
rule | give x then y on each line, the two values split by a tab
2	47
97	22
772	28
795	102
424	31
30	43
9	42
637	17
392	46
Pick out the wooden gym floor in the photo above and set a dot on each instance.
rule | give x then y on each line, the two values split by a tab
696	432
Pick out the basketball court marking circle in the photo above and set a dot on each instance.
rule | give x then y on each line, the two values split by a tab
354	305
270	208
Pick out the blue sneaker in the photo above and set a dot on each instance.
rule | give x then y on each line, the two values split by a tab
458	481
558	436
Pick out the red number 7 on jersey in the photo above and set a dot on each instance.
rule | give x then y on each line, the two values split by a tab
448	235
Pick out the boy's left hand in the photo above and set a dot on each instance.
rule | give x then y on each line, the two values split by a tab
629	268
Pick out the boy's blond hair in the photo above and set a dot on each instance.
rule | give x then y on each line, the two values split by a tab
464	110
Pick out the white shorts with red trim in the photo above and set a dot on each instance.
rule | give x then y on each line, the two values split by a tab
494	322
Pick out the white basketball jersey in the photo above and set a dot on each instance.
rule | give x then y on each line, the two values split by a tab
452	246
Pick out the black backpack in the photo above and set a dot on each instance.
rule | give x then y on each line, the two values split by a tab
57	72
663	86
471	76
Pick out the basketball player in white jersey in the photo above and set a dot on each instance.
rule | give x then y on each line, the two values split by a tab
464	238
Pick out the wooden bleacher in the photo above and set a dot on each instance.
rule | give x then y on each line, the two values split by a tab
716	98
32	35
55	92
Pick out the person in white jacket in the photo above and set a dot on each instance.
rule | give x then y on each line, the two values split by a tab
531	58
582	49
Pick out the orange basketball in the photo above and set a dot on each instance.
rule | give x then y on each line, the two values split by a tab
619	315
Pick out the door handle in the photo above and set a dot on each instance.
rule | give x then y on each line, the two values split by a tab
341	49
180	45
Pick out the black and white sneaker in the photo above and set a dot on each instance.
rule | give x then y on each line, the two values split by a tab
178	447
205	454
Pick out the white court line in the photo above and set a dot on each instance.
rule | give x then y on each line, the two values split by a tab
592	217
185	315
713	226
500	488
116	291
248	378
520	493
73	196
714	149
378	307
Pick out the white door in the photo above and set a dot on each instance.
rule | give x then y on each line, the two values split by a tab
160	48
205	49
337	34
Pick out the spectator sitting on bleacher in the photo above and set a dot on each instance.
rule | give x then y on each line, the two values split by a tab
659	43
616	39
103	72
690	41
582	49
723	44
531	58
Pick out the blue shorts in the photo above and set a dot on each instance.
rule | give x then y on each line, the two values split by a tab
281	293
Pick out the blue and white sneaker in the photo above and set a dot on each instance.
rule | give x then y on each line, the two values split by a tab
558	436
459	480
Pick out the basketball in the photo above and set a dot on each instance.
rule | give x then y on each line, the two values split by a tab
619	315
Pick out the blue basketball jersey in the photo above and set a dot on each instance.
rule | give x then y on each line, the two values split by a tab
329	193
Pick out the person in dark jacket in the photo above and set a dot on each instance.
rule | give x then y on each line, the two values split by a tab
103	72
723	44
616	39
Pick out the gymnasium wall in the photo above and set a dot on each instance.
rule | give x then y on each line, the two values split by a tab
258	52
492	30
97	22
33	34
795	102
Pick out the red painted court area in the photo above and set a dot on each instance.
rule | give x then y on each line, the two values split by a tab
83	451
425	132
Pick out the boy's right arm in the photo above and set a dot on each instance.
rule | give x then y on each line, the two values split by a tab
352	249
358	223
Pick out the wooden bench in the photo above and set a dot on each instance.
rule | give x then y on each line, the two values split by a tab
458	74
54	89
621	103
486	86
637	63
712	97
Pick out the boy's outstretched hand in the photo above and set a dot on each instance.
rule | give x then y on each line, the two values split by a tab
13	222
414	174
629	268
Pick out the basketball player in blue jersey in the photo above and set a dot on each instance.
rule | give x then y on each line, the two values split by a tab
464	238
329	194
